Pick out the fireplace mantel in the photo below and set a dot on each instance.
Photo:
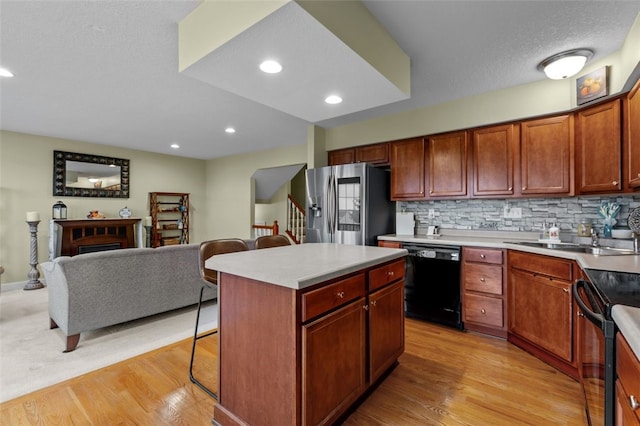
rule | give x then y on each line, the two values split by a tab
69	237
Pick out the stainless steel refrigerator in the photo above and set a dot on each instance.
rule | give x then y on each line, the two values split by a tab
348	204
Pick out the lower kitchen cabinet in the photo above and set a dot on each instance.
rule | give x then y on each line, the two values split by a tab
386	328
627	385
541	308
483	291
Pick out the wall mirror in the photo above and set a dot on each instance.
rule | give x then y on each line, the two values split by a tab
85	175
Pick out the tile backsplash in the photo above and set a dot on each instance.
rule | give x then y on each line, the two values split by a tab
489	214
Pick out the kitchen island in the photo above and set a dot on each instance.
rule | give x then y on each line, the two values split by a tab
305	330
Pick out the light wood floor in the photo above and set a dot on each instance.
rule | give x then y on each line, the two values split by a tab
445	377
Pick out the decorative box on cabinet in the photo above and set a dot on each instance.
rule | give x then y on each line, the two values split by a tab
632	136
494	150
484	307
169	218
598	149
541	308
547	156
627	385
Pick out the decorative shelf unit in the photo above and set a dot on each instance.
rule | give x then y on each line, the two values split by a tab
169	213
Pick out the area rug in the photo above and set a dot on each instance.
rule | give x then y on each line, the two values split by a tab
31	356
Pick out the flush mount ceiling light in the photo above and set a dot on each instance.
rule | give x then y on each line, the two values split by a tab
5	73
565	64
270	67
230	130
333	99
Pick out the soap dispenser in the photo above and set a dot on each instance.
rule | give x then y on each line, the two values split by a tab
554	232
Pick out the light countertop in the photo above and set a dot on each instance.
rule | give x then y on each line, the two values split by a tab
303	265
627	319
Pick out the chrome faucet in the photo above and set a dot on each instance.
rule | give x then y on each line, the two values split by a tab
595	240
636	237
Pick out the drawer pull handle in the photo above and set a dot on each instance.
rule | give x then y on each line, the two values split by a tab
483	311
633	402
482	256
341	294
482	279
390	273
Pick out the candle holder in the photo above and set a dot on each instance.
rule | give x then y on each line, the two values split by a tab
34	275
148	229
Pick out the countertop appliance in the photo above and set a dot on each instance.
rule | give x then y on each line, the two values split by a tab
595	297
432	284
348	204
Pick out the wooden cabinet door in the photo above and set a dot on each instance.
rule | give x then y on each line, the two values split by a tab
333	363
447	165
540	310
546	155
342	156
407	169
386	328
632	137
494	149
389	244
598	147
377	154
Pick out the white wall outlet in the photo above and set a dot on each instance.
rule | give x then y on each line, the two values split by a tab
432	213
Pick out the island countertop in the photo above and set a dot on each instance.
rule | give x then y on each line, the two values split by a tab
303	265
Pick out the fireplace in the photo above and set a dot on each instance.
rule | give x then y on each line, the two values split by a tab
73	237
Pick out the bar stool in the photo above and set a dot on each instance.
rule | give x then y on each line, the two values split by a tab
210	280
268	241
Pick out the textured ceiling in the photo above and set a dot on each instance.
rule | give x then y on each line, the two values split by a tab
107	71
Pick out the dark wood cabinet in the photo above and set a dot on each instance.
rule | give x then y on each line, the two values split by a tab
386	325
377	154
447	165
494	150
598	149
389	244
546	156
541	308
484	307
627	384
632	137
407	169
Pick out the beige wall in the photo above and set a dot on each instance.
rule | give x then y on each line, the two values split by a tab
230	188
26	174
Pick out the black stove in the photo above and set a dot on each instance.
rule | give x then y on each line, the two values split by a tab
615	288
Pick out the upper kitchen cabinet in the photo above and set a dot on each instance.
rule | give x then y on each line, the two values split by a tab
447	165
377	154
407	169
632	136
598	149
546	156
494	150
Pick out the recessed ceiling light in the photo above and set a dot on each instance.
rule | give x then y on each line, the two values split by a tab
271	67
333	99
230	130
5	73
175	146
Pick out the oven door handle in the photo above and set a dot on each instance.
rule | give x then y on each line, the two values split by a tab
596	318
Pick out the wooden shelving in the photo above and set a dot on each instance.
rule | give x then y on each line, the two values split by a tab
169	213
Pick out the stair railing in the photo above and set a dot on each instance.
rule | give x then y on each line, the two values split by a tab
295	221
260	230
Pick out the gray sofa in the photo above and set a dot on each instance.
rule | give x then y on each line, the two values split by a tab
95	290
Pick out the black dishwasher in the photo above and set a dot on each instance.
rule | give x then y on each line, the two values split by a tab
432	284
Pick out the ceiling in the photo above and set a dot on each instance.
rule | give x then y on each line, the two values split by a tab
107	71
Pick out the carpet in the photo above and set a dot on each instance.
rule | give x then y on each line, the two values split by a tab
31	356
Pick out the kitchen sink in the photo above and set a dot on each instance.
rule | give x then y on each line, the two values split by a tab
579	248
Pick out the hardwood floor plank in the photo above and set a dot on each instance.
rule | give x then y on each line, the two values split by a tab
445	377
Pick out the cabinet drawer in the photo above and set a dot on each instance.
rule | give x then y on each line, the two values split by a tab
483	310
483	278
331	296
482	255
539	264
628	368
386	274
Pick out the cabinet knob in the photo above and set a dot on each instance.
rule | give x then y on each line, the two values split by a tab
482	256
615	182
482	279
524	188
374	302
511	188
633	402
431	191
483	311
365	307
580	314
566	290
390	273
341	294
639	175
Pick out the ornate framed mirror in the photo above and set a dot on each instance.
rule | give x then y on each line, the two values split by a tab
85	175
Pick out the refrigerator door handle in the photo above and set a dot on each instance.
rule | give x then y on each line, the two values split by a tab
333	195
329	212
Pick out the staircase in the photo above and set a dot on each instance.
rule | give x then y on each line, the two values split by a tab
296	222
